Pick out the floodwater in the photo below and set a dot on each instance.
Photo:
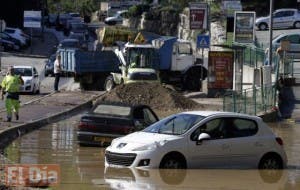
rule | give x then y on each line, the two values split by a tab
83	167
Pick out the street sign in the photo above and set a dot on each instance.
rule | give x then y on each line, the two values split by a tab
32	19
198	16
203	41
244	27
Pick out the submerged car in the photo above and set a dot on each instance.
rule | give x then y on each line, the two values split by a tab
30	77
106	121
200	139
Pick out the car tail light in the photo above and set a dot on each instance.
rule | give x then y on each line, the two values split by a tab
279	141
83	125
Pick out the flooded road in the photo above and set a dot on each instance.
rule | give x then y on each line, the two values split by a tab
83	167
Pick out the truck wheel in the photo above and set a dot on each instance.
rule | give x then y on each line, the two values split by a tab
109	83
192	83
83	86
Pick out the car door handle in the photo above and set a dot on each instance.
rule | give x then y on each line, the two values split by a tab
225	146
258	144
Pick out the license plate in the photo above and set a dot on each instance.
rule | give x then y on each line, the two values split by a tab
102	139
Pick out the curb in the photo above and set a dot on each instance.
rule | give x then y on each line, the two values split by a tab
14	132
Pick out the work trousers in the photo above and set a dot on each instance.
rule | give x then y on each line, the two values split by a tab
12	105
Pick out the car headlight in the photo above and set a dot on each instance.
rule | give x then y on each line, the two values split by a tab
28	82
151	146
114	141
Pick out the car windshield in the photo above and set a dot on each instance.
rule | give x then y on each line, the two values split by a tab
23	71
185	48
112	110
174	124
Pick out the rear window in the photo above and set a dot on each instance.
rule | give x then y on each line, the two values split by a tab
112	110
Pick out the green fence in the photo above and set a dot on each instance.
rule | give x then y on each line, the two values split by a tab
250	101
256	99
254	56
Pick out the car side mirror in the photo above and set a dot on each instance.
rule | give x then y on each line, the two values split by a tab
202	137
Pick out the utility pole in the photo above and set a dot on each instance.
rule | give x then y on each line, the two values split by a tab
270	32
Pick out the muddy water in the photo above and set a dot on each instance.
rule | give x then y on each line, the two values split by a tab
83	167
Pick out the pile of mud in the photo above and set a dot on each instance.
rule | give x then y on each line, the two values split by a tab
152	94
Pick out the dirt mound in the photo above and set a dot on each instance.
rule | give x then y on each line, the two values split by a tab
152	94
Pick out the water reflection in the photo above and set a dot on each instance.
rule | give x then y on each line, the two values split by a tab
83	167
194	179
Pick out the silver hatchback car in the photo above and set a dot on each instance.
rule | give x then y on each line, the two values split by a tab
294	39
282	18
200	139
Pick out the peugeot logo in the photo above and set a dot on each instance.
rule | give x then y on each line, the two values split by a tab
121	145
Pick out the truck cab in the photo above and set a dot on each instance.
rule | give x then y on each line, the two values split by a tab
182	55
178	65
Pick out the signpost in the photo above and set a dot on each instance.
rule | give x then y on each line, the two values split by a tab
203	41
244	27
32	19
198	16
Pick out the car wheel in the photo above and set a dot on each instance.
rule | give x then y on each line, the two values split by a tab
173	161
297	25
263	26
192	81
109	83
271	162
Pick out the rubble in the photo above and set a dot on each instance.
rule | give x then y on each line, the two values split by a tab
158	97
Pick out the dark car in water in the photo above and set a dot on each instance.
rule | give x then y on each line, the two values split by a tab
109	120
49	66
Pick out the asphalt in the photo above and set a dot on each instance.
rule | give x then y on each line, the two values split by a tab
42	111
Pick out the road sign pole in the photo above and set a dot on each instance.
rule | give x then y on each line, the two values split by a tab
31	40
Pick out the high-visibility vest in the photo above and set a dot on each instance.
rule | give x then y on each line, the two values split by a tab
11	83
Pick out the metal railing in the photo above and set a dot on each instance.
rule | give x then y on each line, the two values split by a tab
251	101
257	99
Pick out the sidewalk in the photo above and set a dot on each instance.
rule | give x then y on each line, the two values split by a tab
43	111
